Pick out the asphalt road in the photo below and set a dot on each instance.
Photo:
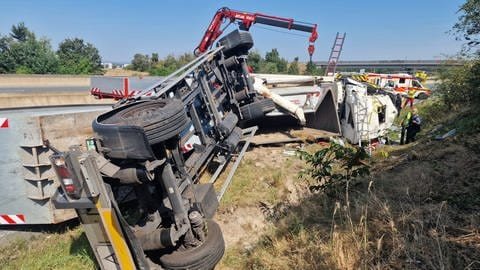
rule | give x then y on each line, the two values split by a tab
12	113
44	89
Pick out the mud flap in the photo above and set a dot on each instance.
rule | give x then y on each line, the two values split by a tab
206	199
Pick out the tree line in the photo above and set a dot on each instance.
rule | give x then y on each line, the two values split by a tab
159	67
22	52
272	62
461	85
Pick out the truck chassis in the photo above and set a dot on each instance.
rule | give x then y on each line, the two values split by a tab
137	190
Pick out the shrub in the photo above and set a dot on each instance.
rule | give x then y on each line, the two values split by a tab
461	85
334	167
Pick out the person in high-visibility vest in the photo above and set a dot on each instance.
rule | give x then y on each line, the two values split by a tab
410	98
405	123
413	126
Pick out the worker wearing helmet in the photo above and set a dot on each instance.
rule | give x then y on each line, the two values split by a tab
410	97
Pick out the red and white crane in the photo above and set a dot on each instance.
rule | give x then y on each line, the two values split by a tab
246	20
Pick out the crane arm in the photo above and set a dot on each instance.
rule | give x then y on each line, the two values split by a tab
246	20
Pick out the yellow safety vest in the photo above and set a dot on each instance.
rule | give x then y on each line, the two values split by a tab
406	120
411	93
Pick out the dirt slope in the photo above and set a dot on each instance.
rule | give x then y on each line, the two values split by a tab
420	209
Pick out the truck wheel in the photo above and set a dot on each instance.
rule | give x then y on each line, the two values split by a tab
257	109
422	96
236	43
205	256
160	119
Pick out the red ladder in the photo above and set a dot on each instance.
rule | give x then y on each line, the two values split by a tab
335	54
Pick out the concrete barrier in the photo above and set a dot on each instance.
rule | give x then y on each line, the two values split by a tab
19	100
20	80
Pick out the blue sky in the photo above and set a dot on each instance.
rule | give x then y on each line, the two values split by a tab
376	30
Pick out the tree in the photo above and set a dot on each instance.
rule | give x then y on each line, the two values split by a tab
293	67
154	58
170	63
282	65
270	68
78	57
468	26
460	86
185	58
21	33
312	69
255	61
141	62
23	53
34	57
273	56
7	63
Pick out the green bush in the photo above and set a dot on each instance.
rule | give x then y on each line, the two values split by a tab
334	167
23	53
460	85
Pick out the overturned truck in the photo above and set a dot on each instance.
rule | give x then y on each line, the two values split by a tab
136	188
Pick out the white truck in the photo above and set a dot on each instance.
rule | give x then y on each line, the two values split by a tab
342	107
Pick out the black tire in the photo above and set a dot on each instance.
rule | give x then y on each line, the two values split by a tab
236	43
161	119
257	109
422	96
203	257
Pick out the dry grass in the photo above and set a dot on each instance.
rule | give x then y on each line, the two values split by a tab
419	210
263	176
124	72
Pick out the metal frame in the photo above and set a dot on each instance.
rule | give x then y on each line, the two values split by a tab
248	134
202	84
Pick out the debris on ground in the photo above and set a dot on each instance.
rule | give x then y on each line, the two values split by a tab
450	133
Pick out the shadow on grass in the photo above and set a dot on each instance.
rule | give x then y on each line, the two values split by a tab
81	247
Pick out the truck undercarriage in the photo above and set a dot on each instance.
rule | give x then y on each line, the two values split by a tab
136	189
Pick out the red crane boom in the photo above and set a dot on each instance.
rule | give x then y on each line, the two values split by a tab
246	20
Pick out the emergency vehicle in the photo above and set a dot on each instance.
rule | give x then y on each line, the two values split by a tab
400	83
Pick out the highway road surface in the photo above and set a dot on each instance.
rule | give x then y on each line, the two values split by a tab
21	90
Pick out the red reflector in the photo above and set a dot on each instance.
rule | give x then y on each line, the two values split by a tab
63	172
70	188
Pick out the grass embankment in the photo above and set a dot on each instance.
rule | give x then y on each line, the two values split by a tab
419	210
68	250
